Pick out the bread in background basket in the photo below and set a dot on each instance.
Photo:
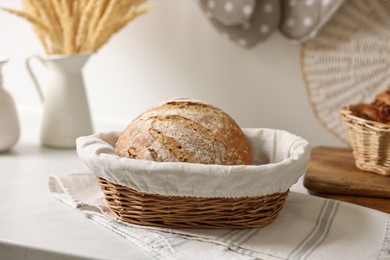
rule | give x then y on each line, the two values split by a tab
368	130
193	194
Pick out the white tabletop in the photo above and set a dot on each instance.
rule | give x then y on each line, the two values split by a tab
35	225
33	221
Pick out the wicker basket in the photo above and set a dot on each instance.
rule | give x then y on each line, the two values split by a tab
370	141
189	212
185	195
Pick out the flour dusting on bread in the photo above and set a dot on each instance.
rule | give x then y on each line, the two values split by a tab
185	130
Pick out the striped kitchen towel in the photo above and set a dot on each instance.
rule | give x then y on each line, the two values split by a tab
308	227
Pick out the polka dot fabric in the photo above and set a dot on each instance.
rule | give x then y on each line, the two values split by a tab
230	13
244	22
247	22
302	19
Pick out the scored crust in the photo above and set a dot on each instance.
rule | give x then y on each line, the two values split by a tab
185	130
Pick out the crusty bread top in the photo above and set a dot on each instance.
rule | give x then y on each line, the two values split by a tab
185	130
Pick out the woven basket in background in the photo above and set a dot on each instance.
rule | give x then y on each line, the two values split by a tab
370	141
348	61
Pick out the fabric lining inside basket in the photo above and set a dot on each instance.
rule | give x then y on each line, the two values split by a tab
280	159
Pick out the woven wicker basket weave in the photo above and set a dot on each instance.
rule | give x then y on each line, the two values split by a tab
370	141
190	195
189	212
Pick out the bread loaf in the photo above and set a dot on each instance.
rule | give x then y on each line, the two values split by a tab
185	130
378	110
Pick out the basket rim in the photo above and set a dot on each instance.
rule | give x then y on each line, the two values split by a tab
200	180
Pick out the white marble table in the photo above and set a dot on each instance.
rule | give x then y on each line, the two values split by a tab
35	225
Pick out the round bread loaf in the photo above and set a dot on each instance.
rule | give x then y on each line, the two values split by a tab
185	130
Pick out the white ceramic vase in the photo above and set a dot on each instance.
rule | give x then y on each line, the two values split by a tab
9	122
66	114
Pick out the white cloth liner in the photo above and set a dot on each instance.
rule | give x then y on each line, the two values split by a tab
280	158
308	227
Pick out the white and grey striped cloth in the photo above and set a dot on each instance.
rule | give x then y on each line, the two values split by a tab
308	227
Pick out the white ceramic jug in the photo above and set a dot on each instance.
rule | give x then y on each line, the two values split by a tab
66	114
9	122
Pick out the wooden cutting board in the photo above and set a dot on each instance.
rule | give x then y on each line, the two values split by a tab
332	173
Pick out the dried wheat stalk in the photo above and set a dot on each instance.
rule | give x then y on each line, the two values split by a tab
76	26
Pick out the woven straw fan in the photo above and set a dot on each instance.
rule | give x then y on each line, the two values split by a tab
348	62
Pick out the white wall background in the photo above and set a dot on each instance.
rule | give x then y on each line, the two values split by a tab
174	51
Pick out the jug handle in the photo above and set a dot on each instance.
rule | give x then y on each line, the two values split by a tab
32	75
